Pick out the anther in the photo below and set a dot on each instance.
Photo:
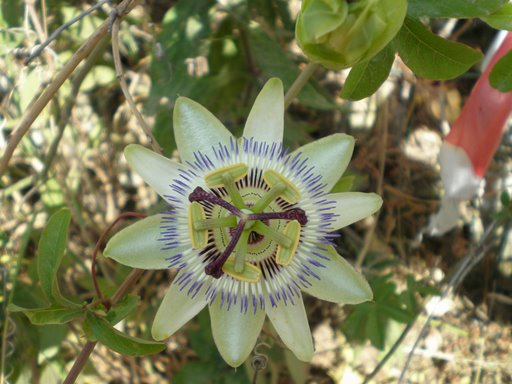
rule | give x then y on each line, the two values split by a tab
285	254
290	193
198	236
226	177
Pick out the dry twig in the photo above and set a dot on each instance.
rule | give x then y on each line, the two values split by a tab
124	85
37	106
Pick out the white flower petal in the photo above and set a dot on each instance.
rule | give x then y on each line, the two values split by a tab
339	281
235	332
176	309
352	207
158	171
137	245
266	119
330	156
291	323
196	129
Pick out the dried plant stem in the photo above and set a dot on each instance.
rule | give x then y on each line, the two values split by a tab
124	86
59	30
37	106
460	272
299	83
66	115
456	278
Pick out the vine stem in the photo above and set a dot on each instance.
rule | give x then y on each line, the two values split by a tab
299	83
88	347
100	242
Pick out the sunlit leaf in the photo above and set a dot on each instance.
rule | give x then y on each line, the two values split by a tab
53	315
52	245
365	78
431	56
122	309
501	74
453	8
501	19
118	341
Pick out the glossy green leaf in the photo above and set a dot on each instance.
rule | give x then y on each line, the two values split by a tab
118	341
431	56
453	8
501	19
365	78
52	245
501	74
122	309
53	315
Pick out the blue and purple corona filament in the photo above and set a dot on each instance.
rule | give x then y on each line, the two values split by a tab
249	227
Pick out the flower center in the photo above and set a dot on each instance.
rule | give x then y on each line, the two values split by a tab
248	220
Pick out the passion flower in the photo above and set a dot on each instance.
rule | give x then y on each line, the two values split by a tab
248	227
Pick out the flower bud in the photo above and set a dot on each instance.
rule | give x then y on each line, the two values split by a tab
341	33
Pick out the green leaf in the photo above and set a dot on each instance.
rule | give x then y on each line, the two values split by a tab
501	74
463	9
431	56
53	315
50	253
118	341
501	19
365	78
344	184
122	309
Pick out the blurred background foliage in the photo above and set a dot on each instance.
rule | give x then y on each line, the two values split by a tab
220	53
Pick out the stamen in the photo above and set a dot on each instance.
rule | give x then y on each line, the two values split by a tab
199	194
278	237
220	222
268	197
214	269
290	194
226	177
198	236
292	214
250	274
284	255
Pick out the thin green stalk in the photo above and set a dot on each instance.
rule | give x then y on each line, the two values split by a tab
299	83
